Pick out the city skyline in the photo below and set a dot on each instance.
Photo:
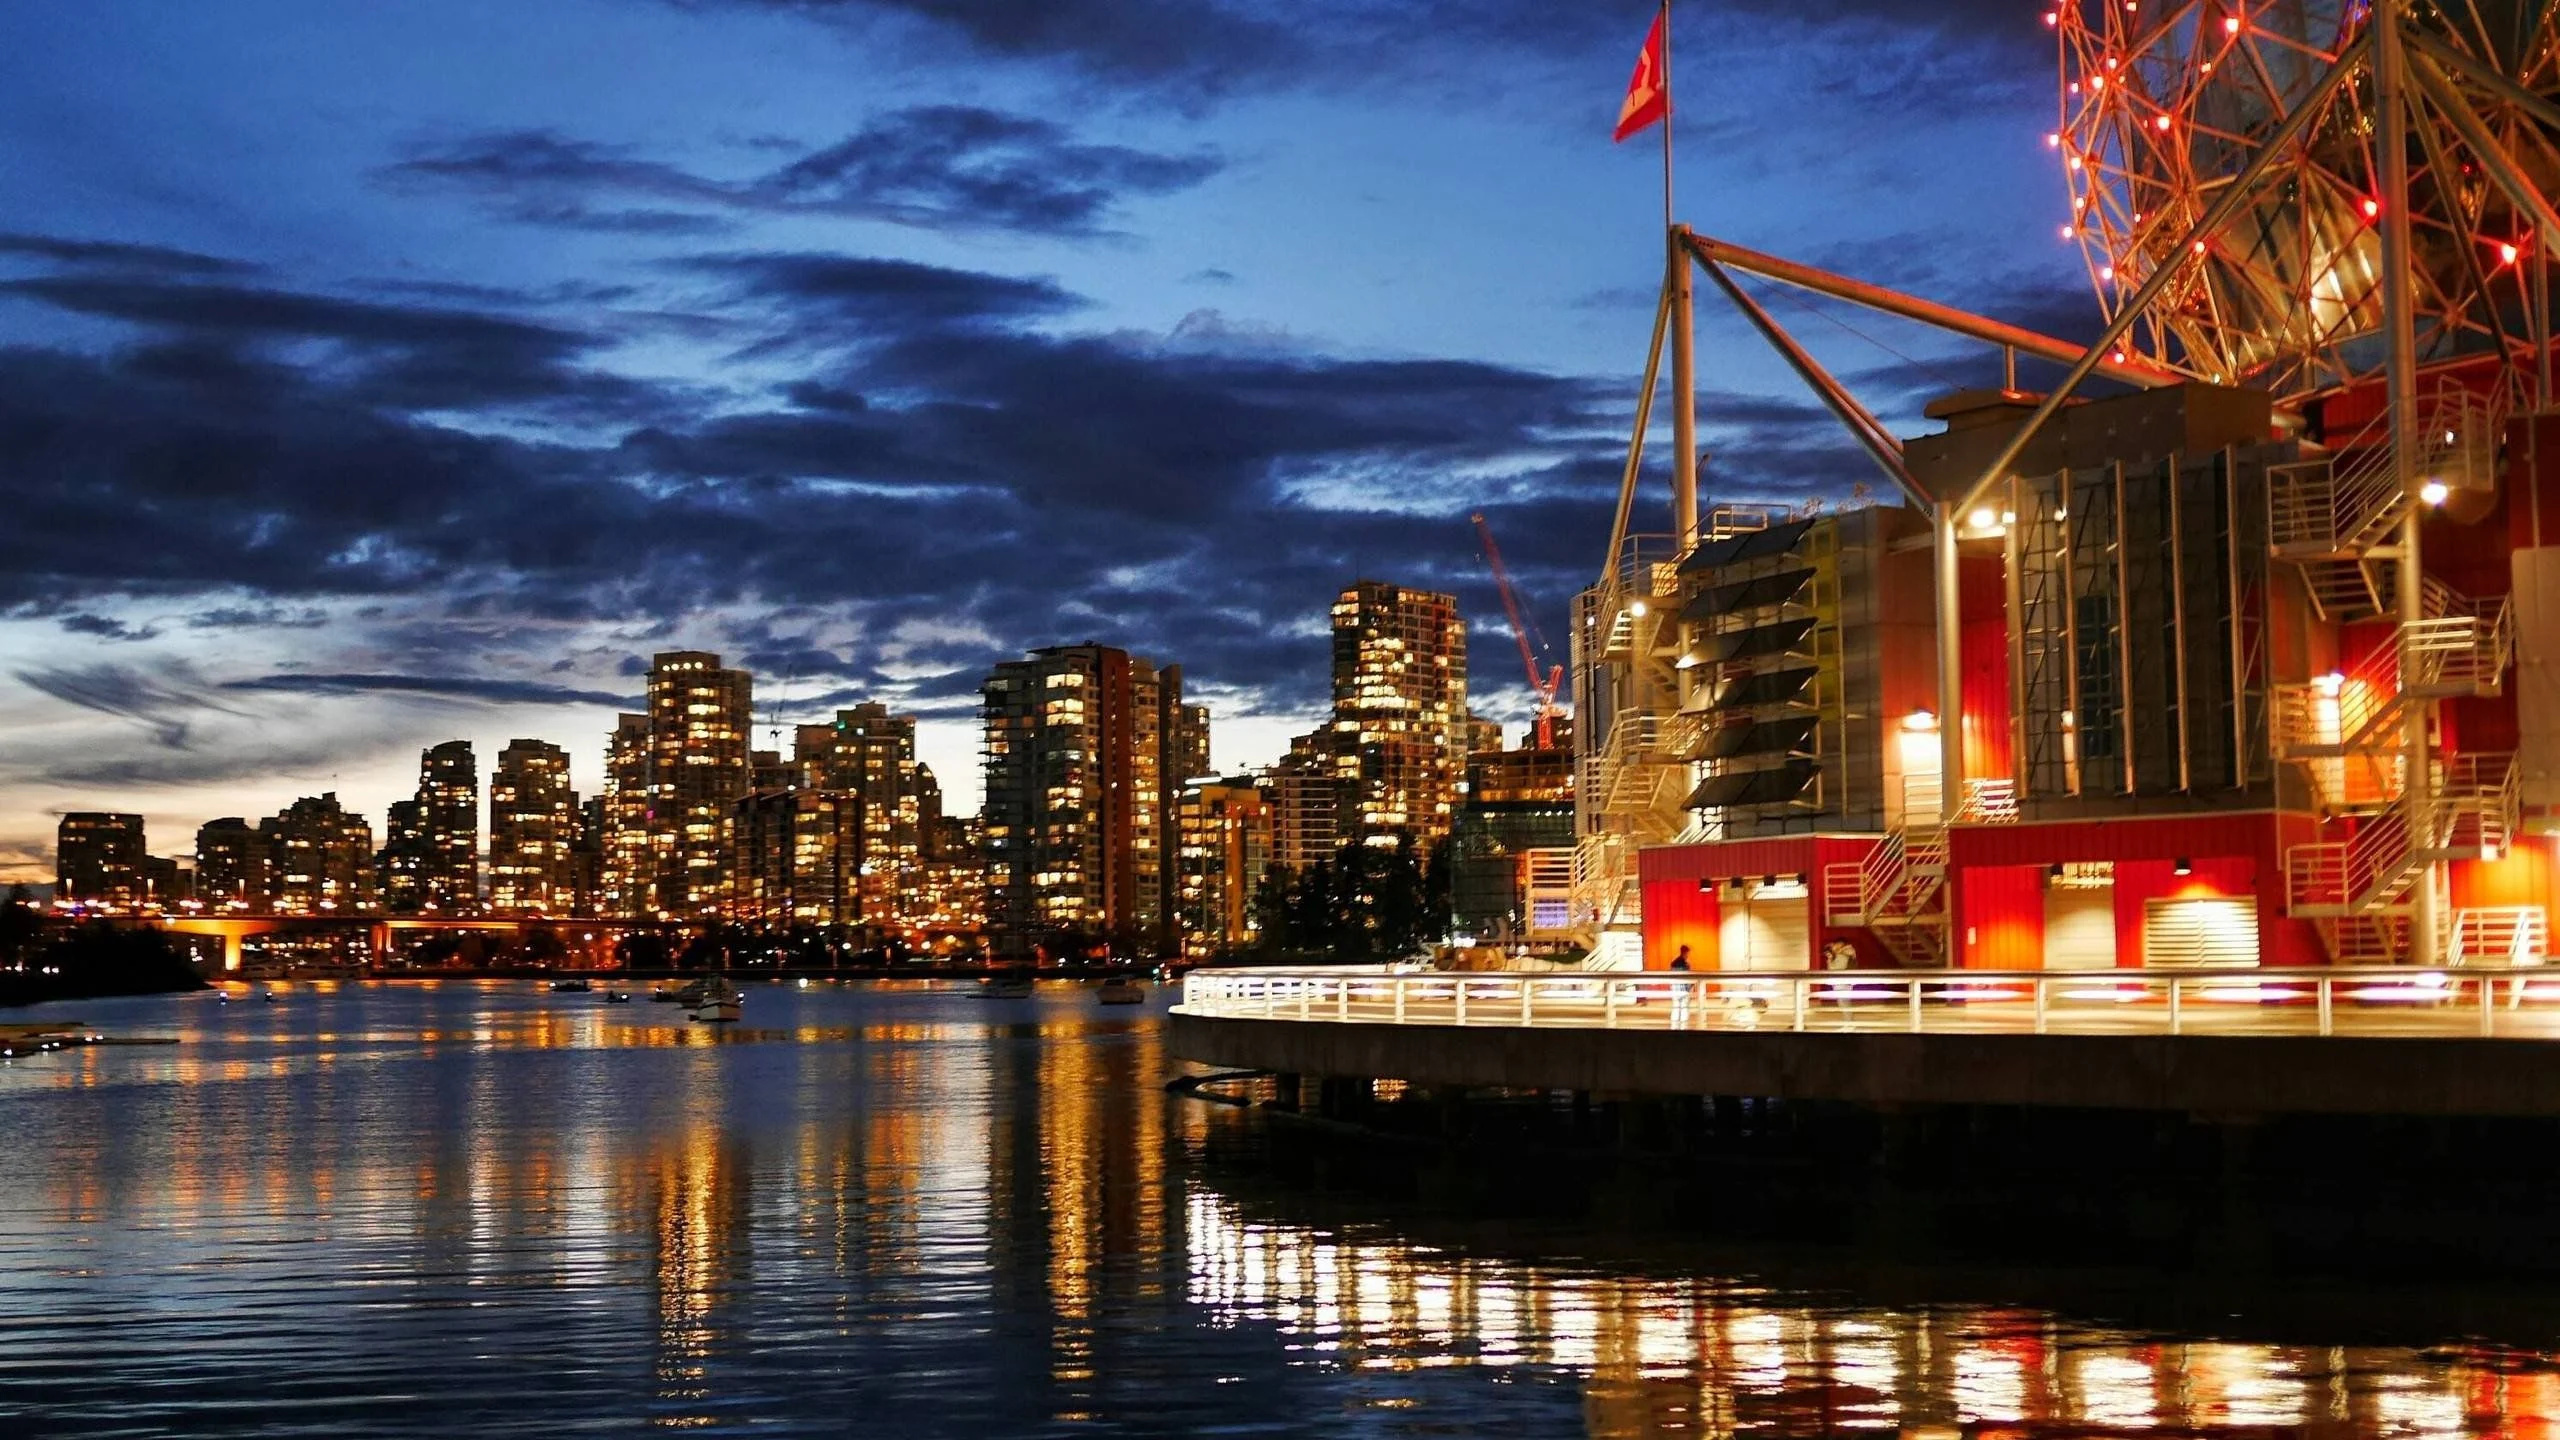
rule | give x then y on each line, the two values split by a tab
508	381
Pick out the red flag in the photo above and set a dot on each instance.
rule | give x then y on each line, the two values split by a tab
1649	90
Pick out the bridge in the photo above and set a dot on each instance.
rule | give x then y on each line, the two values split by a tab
2329	1040
587	936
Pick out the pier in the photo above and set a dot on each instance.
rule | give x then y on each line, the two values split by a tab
2220	1042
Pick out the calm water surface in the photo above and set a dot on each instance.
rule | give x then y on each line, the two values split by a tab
899	1210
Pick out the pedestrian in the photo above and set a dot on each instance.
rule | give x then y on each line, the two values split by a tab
1681	991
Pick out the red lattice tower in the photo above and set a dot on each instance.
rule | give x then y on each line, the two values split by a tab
2163	103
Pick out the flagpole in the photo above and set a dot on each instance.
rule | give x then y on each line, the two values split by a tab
1666	116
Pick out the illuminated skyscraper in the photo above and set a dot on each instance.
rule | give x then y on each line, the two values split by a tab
533	831
870	753
1400	724
1306	798
321	858
232	874
1226	840
699	715
1080	744
799	858
98	860
430	862
627	870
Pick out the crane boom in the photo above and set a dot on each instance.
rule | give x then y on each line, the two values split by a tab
1544	687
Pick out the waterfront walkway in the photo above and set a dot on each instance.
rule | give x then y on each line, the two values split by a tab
2505	1004
2341	1041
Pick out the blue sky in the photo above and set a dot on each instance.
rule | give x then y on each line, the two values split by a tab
374	375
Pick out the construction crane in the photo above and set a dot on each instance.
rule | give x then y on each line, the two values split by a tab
1544	688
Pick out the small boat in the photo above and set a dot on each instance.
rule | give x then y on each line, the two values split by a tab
661	995
267	995
1121	990
573	986
716	999
1013	985
617	997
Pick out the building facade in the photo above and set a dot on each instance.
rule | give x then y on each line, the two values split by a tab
627	867
1226	846
870	753
1511	854
698	771
1081	741
320	858
98	860
535	824
1400	729
232	874
799	858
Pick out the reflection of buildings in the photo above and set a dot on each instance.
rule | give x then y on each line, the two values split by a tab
1082	742
98	859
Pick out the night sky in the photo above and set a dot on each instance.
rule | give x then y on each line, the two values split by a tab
378	374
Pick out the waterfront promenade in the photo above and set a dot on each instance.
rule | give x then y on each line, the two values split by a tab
2351	1041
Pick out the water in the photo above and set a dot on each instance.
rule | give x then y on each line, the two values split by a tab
898	1210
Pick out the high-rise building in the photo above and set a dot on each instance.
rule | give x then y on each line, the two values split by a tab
699	716
1079	807
1511	853
1306	797
868	752
430	860
799	858
534	827
946	910
628	871
586	860
232	874
98	860
1226	841
1400	731
321	858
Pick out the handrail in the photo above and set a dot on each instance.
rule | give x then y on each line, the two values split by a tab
2498	1002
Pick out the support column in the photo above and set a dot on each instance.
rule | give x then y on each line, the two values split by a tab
1684	395
2400	370
1950	618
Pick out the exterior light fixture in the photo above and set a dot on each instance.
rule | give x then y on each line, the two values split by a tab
1706	885
2053	871
1639	609
2330	684
1919	722
1985	518
2433	492
2186	866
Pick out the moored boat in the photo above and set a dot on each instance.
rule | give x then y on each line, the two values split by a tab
1121	990
715	999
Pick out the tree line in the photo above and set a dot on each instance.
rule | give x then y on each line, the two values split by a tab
1368	901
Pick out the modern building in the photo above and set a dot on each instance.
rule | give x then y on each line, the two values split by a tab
430	860
320	858
1226	844
535	825
1400	729
1080	797
699	717
627	866
1511	854
946	909
799	858
870	753
587	860
1305	795
232	874
98	860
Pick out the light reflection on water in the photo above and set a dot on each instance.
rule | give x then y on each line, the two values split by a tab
475	1208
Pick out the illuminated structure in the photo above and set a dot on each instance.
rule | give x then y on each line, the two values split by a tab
2223	671
1400	724
534	825
98	860
1080	796
320	858
870	753
699	715
946	907
430	861
1226	844
1306	803
626	873
799	859
232	874
1511	854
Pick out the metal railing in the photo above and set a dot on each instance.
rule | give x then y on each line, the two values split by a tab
2506	1003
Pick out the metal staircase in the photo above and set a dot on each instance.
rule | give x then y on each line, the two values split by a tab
2336	515
1898	893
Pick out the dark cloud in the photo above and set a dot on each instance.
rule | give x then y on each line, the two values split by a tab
162	703
954	167
105	628
503	692
111	254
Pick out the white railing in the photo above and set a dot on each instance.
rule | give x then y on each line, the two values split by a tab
2362	1001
